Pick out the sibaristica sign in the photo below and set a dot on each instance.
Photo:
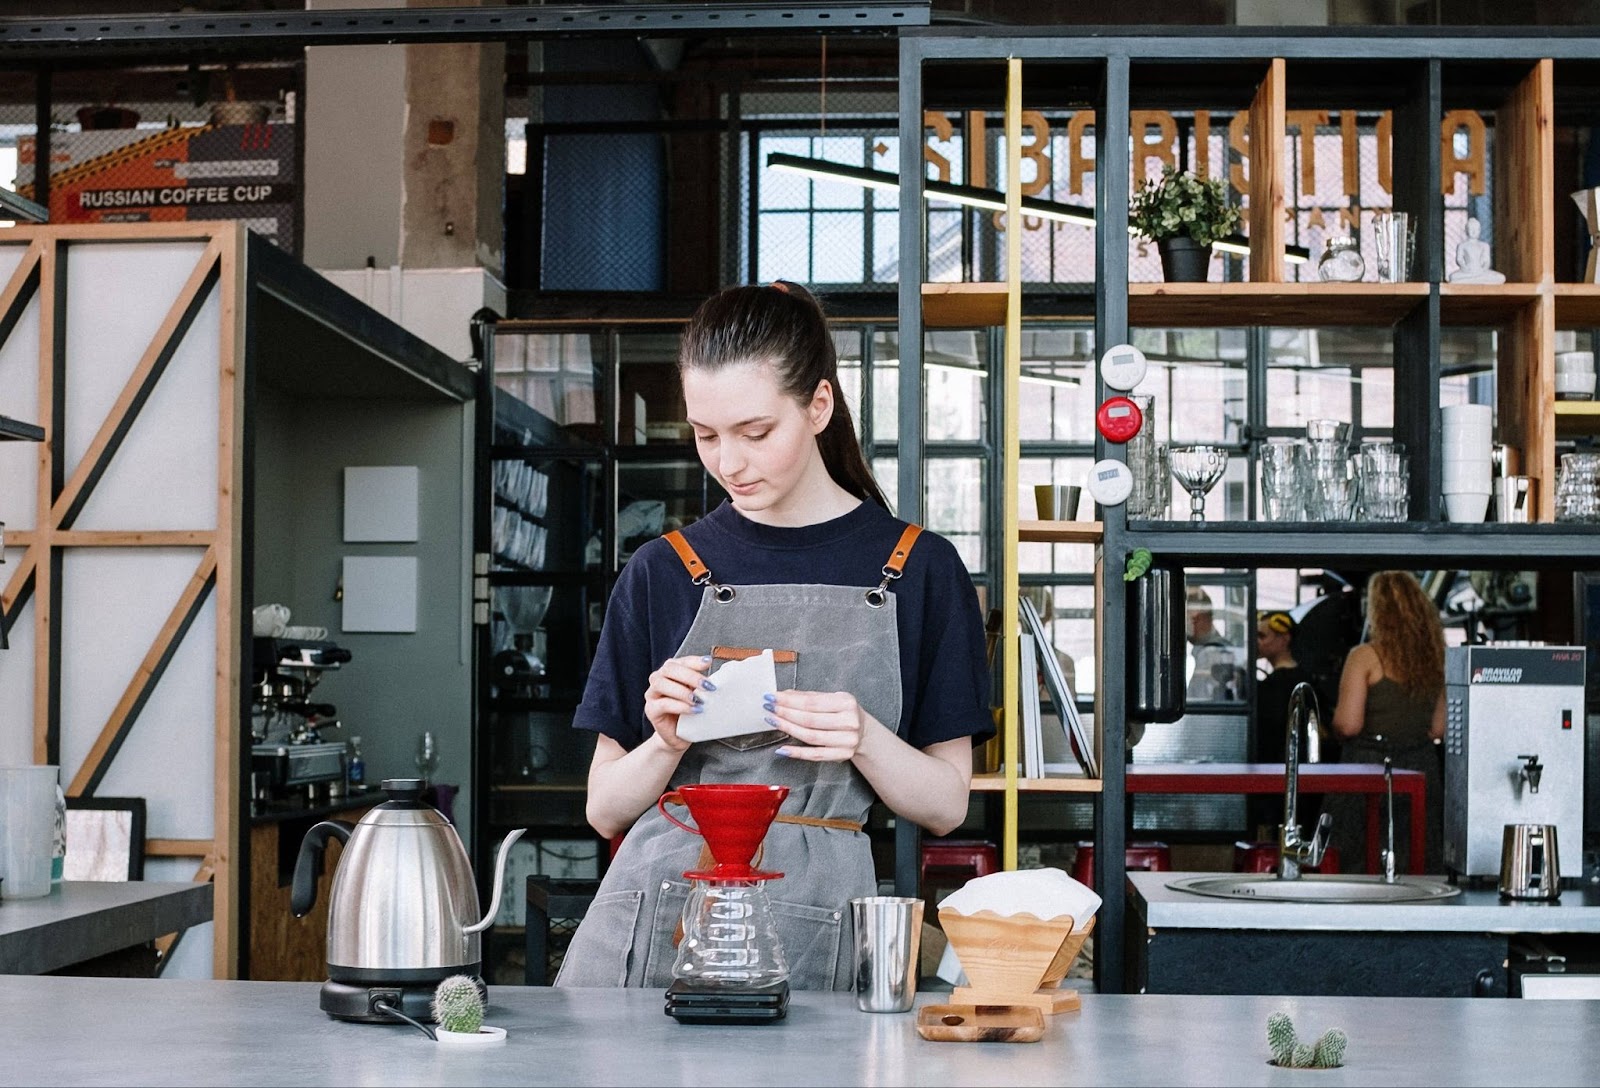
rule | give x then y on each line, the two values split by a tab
180	196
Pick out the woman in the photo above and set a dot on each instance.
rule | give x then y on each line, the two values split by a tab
885	690
1391	703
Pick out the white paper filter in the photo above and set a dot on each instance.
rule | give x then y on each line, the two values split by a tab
1043	893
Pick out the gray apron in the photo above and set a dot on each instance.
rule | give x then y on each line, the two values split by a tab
845	639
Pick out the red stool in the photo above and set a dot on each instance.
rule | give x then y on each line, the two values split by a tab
967	857
1262	857
1151	856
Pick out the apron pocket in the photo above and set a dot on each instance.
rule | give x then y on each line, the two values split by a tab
602	947
810	937
664	925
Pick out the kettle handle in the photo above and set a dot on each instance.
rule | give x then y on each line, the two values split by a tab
303	893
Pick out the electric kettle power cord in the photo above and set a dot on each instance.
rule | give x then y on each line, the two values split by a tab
387	1009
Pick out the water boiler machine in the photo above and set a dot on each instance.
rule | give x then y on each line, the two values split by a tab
1513	752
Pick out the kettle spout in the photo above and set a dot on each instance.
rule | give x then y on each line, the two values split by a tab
499	881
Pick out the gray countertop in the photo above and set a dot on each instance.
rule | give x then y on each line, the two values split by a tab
82	919
1473	911
63	1031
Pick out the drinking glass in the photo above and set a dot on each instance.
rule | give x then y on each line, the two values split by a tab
1282	467
427	758
1198	468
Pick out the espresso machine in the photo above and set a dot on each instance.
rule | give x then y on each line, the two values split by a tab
1513	751
289	757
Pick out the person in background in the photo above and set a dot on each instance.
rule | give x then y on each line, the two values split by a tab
882	687
1275	646
1391	703
1216	676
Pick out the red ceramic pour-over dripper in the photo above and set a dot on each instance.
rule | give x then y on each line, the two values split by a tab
733	818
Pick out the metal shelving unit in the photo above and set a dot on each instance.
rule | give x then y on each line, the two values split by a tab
1417	75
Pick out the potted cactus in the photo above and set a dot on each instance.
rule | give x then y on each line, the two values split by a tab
1289	1052
458	1011
1183	214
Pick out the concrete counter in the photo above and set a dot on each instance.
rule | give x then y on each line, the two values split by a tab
66	1031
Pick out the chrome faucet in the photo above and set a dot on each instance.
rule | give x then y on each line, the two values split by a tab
1292	850
1388	846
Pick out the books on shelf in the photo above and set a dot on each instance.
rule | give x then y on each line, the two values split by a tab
1032	735
1079	740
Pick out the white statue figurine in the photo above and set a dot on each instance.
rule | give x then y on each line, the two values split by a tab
1472	259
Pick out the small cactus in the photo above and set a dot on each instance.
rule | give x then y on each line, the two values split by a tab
458	1005
1288	1052
1330	1049
1280	1037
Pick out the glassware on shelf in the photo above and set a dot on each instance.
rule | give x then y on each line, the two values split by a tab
1197	469
1578	488
1282	465
1341	261
427	757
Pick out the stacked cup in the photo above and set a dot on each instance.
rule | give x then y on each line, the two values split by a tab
1574	375
1330	484
1282	464
1147	461
1385	480
1468	439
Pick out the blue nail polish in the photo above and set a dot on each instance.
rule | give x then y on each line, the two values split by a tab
698	709
783	752
771	721
695	698
708	685
769	697
706	659
769	707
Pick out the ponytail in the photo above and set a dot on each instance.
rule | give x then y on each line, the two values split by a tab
783	324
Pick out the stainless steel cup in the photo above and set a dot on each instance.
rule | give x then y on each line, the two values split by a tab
1528	866
1513	499
888	942
1057	502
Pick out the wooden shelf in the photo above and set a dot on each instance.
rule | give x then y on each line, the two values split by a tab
14	430
1577	417
1060	532
1229	305
1484	303
996	783
963	305
1577	305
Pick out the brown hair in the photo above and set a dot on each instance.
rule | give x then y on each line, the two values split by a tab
783	325
1405	624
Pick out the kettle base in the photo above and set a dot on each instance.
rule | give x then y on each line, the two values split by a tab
362	1004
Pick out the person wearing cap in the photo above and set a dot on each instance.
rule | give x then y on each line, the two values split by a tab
1275	647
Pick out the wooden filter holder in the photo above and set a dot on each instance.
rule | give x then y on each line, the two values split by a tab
1015	959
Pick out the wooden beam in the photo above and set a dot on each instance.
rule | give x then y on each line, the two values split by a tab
206	872
177	848
226	828
137	389
1267	127
52	323
20	289
133	538
1524	180
145	677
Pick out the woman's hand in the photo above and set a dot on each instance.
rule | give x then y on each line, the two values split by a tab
831	723
674	691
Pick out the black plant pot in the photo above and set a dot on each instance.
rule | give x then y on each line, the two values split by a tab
1184	260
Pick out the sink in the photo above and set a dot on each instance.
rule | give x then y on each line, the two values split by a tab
1316	888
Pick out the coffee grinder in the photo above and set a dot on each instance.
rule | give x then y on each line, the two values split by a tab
730	966
1513	752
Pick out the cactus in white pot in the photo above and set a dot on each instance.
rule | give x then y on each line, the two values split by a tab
458	1010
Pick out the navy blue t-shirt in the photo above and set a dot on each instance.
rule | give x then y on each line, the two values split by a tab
943	670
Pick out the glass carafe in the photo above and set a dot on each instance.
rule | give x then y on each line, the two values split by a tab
730	937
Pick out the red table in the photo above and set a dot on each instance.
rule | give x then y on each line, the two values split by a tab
1364	778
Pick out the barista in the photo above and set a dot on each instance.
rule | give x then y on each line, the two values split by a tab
885	691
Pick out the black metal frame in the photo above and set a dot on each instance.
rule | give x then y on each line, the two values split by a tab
1114	52
161	34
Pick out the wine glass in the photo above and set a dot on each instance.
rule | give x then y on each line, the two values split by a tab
1197	468
427	757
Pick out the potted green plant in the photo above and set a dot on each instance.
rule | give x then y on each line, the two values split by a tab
1183	214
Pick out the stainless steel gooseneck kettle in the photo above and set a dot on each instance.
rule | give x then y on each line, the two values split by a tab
403	911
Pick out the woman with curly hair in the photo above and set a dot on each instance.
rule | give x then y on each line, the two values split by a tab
1391	703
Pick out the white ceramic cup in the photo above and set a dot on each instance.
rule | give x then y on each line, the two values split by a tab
1466	476
1467	507
1574	360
